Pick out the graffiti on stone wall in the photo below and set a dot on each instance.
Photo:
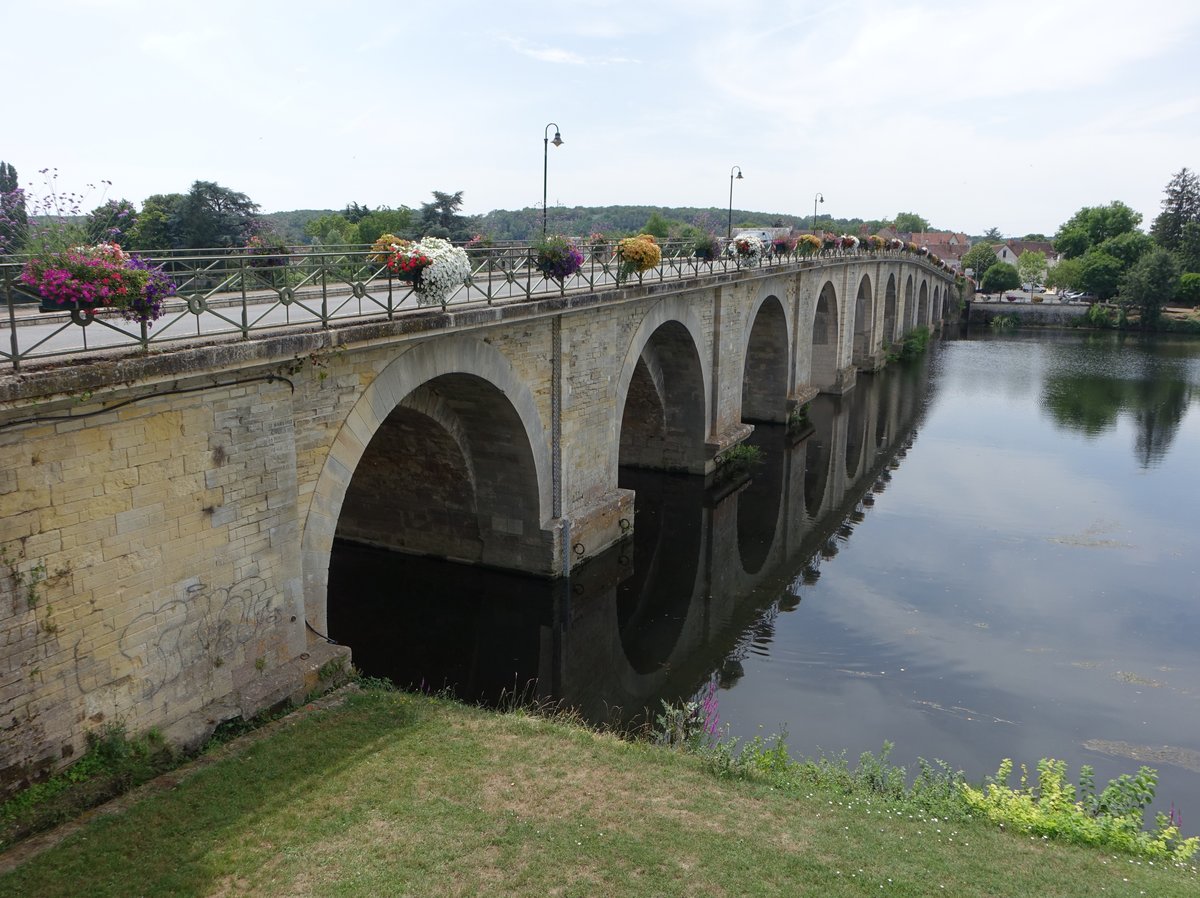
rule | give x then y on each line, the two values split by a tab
190	637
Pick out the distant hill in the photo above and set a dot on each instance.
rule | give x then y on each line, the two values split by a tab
579	221
523	224
290	225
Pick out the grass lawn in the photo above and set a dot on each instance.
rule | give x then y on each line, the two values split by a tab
395	794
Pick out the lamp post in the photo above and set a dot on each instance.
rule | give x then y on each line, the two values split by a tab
546	141
729	224
817	198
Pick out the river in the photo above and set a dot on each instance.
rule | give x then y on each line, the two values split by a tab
987	553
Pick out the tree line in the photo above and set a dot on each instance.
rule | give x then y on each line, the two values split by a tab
210	215
1104	252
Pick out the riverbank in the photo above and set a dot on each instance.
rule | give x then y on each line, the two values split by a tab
389	793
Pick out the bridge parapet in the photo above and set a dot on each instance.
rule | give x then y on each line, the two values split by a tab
229	295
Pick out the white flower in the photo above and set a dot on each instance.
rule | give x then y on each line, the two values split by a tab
746	248
448	269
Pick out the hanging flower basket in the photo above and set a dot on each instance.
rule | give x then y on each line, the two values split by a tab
557	258
434	267
784	244
92	278
746	249
638	254
706	247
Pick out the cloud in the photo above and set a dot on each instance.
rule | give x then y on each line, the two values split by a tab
559	56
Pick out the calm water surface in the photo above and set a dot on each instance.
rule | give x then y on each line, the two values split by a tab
990	553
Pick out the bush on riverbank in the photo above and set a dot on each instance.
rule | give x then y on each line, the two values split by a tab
913	344
1050	807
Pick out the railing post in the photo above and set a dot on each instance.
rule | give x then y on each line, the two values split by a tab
324	292
12	319
245	308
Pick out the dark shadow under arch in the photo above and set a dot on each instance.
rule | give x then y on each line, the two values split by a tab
765	375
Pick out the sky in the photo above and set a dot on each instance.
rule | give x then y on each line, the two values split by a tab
973	115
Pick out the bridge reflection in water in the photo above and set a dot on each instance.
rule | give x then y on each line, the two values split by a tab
709	568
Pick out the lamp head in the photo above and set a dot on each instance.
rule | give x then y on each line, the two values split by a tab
558	141
739	175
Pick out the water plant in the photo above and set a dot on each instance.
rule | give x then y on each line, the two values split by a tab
911	346
1051	808
740	457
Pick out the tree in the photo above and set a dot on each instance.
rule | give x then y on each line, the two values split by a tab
1188	292
1031	266
1188	251
1127	247
1181	205
979	258
443	213
354	213
386	221
14	219
213	215
1100	273
657	226
1000	277
157	225
1041	238
994	235
1065	275
1072	243
910	223
1149	284
1092	225
333	230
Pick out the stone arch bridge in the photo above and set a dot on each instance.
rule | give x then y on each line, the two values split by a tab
166	521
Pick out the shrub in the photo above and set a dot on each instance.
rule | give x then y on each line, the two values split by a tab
1188	292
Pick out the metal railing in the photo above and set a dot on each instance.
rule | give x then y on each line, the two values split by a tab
222	295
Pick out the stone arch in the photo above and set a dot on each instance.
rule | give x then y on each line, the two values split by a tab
864	323
460	368
758	508
767	362
662	393
909	306
889	311
654	603
818	454
854	410
825	338
937	302
923	305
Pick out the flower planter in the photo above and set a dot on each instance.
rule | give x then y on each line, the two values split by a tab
51	305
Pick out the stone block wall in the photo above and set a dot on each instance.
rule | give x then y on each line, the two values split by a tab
150	564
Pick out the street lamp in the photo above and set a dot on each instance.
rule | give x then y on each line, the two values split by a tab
817	198
546	141
729	226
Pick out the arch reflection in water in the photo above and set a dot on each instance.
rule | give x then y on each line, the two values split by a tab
657	617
